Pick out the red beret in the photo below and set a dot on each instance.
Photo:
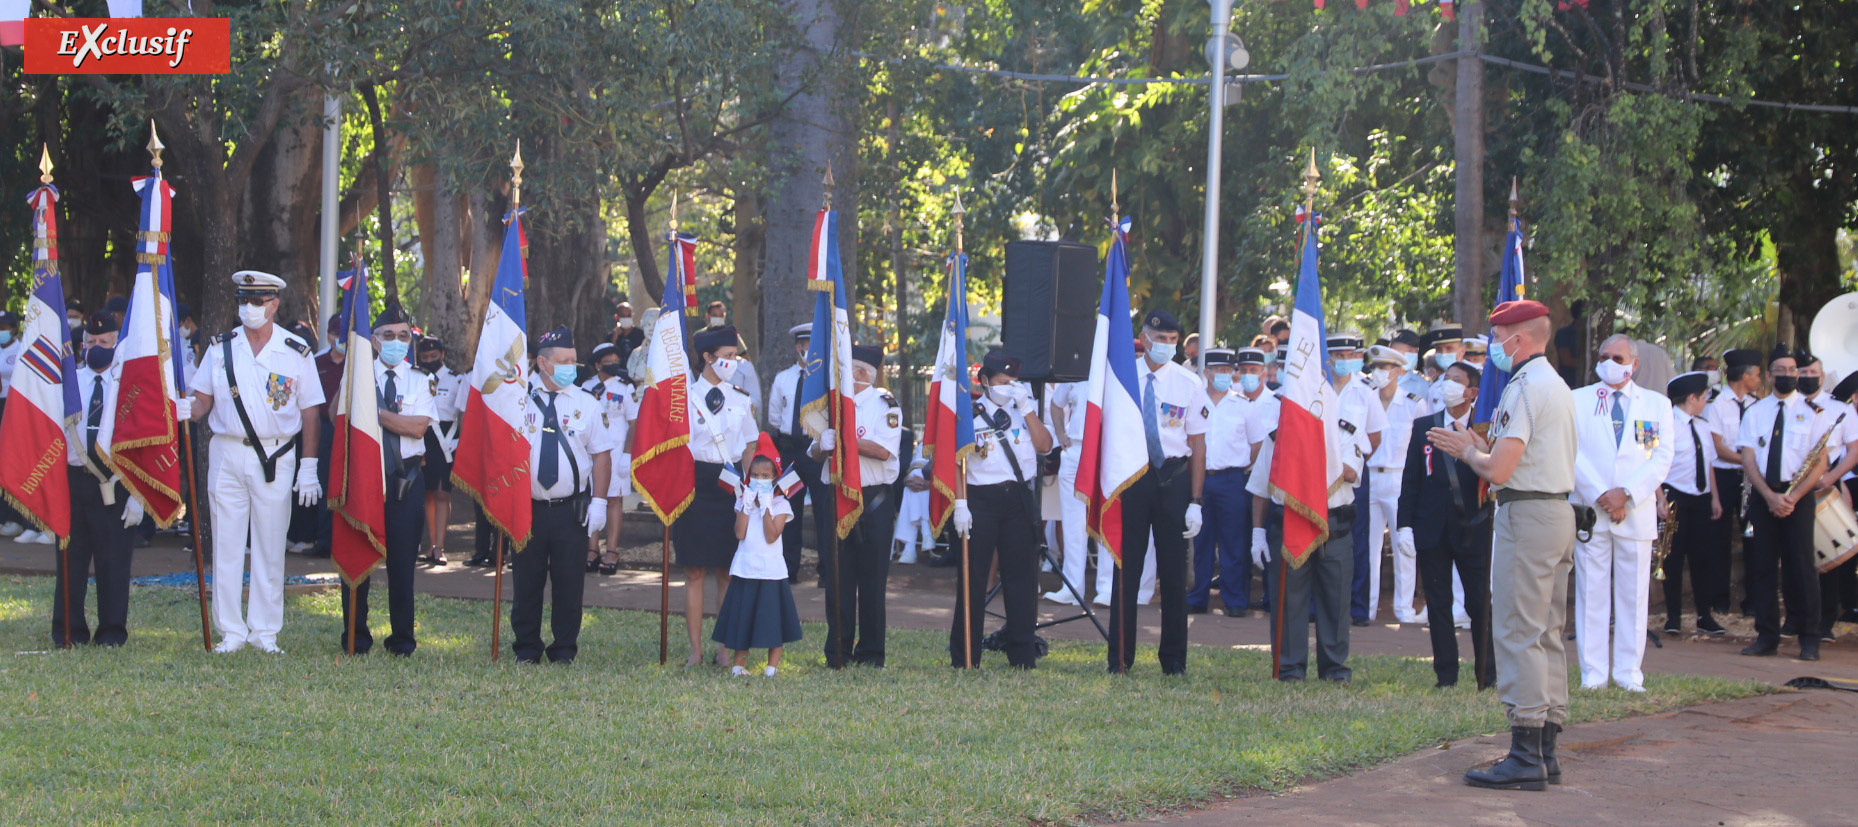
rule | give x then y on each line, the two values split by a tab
1516	312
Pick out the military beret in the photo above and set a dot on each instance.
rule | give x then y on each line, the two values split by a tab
873	356
559	337
1518	311
257	281
998	362
1250	356
429	344
1161	321
1406	337
100	323
1220	356
1446	332
1742	357
393	313
1379	355
713	338
1345	341
803	330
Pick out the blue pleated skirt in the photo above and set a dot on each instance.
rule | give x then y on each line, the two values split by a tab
757	614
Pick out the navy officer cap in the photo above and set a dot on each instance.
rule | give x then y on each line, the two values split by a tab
1220	356
1161	321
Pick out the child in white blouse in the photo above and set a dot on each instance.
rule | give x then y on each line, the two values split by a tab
758	612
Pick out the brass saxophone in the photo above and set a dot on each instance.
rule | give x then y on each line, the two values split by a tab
1667	536
1812	458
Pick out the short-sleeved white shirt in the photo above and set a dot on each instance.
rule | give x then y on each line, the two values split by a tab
988	464
277	384
881	421
1400	412
1228	444
1725	418
584	436
415	398
720	436
1180	400
1262	415
755	557
446	388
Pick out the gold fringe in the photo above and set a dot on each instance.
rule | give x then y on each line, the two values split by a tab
517	545
1322	523
663	516
63	541
1117	494
379	548
130	470
150	258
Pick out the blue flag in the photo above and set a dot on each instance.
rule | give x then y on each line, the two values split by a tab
1510	288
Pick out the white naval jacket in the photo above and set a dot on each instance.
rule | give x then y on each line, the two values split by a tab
1638	463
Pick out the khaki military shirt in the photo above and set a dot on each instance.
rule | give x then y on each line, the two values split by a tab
1538	408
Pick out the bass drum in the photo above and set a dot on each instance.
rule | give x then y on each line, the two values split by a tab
1835	530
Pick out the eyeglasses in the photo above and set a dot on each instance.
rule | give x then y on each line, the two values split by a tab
256	301
402	336
1619	358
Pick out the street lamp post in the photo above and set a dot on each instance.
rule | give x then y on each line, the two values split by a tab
1222	50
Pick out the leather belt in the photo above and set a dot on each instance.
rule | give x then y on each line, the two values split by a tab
1510	495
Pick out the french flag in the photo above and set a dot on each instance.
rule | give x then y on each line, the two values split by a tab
1111	460
948	428
1509	288
1301	476
826	390
141	435
492	461
44	395
663	470
357	473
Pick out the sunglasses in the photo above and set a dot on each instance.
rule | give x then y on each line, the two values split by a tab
255	301
402	336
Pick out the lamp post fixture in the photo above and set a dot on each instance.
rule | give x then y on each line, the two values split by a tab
1223	51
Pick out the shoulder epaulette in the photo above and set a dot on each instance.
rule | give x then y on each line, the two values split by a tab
225	337
301	347
887	397
1715	392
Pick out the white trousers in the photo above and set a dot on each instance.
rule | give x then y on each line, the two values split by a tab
244	505
1076	537
1612	581
1383	515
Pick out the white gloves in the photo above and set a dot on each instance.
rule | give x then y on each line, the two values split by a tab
184	408
1193	520
1403	542
132	512
596	515
309	489
1261	548
1023	402
828	440
964	520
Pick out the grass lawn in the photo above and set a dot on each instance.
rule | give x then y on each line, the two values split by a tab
162	732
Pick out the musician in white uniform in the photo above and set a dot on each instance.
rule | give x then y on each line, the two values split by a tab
447	389
1776	440
1741	388
1841	457
1689	494
257	389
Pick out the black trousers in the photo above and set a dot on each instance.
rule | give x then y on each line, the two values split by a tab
1004	519
1156	503
1696	549
1784	544
97	538
1467	549
857	570
1722	533
556	555
406	526
793	536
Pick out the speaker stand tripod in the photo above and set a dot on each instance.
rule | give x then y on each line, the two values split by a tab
996	642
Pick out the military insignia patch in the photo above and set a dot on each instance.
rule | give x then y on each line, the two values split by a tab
277	390
894	420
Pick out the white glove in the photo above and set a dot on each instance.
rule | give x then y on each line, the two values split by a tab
184	408
1022	401
596	515
1261	548
964	520
132	512
1193	520
309	489
828	440
1403	542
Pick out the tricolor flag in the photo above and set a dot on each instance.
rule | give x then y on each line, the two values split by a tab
1111	460
357	472
663	471
684	267
948	428
1509	288
44	396
492	461
826	391
1301	476
140	434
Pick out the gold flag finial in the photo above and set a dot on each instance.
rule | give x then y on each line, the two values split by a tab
673	210
516	176
155	146
1310	177
1115	207
45	164
960	213
828	183
1512	196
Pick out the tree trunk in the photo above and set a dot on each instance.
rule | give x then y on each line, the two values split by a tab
1806	251
278	218
383	188
442	218
745	285
486	231
639	232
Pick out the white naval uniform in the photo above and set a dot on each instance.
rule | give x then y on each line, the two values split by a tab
719	438
447	390
584	435
415	398
745	380
277	384
881	421
783	394
1386	465
1612	570
620	401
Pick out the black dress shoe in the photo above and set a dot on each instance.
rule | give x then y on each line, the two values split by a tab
1231	612
1358	623
1196	610
1522	769
1709	626
1760	649
1444	685
1809	650
1672	627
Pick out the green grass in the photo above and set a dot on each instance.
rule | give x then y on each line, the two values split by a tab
161	732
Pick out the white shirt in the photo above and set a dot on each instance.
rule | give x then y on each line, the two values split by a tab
719	437
9	359
1831	411
1261	415
277	384
618	399
1725	418
988	465
415	397
755	557
1362	413
1070	397
1683	475
584	436
745	380
1405	407
446	387
1228	432
1180	399
1800	430
881	421
77	435
1352	449
783	394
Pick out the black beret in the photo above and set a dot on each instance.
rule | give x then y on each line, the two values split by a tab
715	337
117	304
1406	337
1780	352
998	362
429	344
1161	321
1742	357
100	323
1220	356
559	337
1846	387
1803	358
873	356
1685	385
393	313
8	318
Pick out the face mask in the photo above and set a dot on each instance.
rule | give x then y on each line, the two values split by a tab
625	323
761	486
251	317
188	334
716	321
432	366
98	357
339	346
6	337
393	352
1715	377
1344	367
725	368
1412	361
1445	360
1270	358
610	369
1222	382
563	375
1379	377
1500	356
74	322
1809	385
1612	373
1452	391
1160	353
1248	383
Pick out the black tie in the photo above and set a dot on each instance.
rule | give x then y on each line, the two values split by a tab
92	423
714	399
1703	485
390	441
551	444
793	401
1773	475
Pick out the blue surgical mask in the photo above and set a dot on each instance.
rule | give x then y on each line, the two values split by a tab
1159	352
1222	382
98	357
1445	360
1248	382
564	375
1500	356
1344	367
393	352
762	487
6	337
1412	362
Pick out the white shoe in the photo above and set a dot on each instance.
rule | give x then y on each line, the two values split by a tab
907	558
1060	597
228	645
267	646
1101	600
299	547
769	671
11	529
1046	566
43	538
1413	618
738	671
1593	687
1633	688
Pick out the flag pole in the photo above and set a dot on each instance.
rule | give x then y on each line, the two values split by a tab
496	600
1310	177
961	479
1118	596
64	554
835	655
664	550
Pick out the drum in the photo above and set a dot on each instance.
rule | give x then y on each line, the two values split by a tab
1835	530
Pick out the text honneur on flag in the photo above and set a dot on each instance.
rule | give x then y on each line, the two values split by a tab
492	462
1509	288
141	432
1111	461
948	426
1301	474
826	390
357	470
663	470
44	398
